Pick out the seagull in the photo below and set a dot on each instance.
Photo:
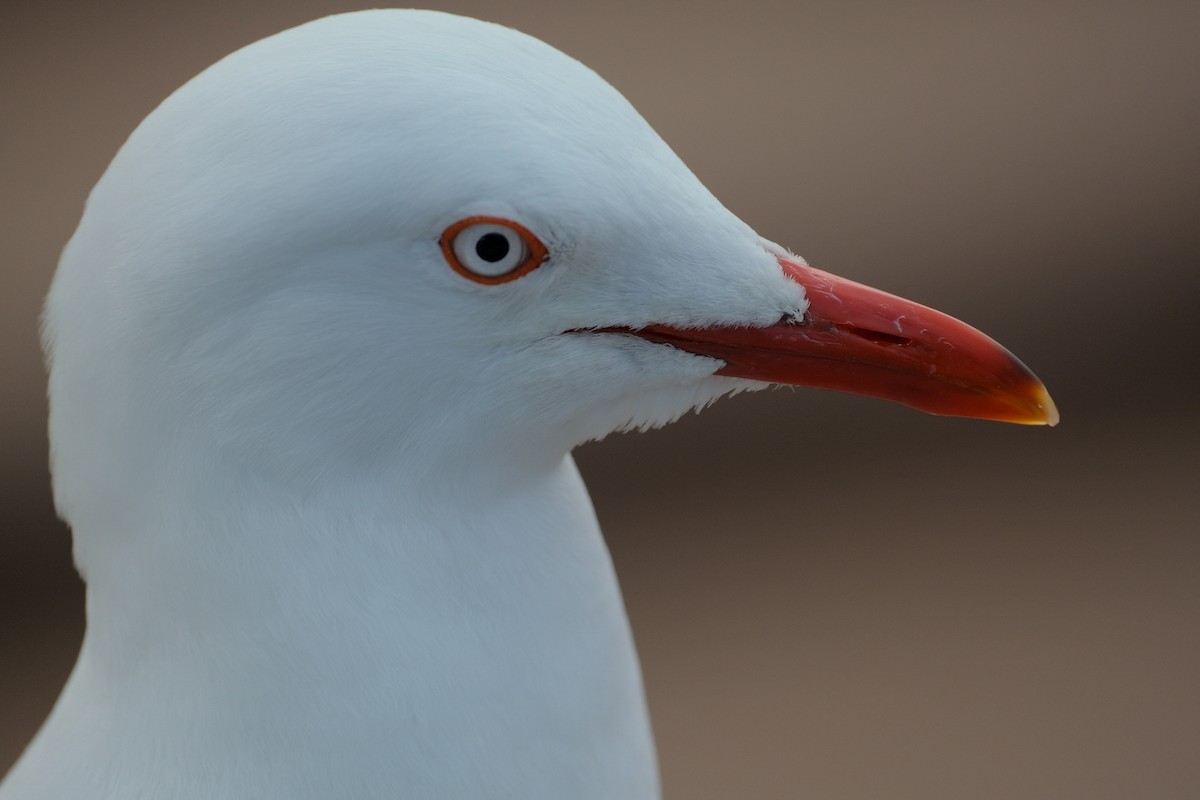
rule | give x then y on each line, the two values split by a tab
330	325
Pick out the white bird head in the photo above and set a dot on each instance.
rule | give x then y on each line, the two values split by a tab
266	264
402	237
400	250
262	263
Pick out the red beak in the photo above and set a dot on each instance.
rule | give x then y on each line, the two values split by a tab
857	339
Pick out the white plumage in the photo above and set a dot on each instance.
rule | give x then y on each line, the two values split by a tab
319	482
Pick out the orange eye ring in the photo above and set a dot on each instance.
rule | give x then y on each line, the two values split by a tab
494	250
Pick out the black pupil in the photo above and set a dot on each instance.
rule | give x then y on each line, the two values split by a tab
492	247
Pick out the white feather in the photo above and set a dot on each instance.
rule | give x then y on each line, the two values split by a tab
319	483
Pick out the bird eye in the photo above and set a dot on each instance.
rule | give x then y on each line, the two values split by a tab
491	250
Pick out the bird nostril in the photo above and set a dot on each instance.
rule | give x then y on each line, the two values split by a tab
879	337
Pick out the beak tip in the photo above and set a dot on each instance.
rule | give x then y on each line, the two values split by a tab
1049	409
1046	411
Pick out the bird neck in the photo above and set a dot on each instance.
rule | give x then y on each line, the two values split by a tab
421	638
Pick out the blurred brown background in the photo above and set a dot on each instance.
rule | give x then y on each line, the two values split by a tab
833	597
